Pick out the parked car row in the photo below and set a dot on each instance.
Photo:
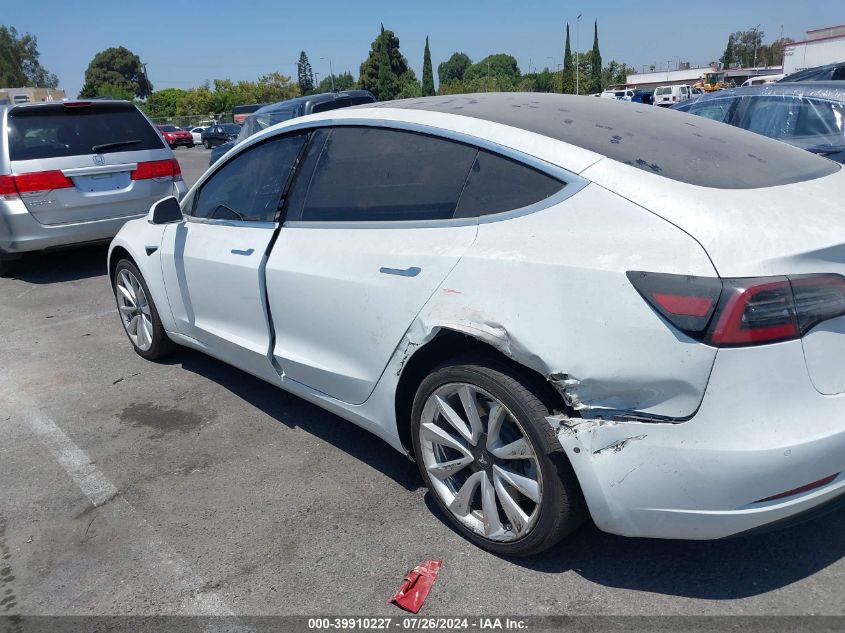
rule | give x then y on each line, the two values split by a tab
809	115
290	109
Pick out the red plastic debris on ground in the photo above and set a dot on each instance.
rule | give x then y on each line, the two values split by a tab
414	589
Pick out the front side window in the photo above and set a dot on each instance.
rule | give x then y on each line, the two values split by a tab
249	187
378	174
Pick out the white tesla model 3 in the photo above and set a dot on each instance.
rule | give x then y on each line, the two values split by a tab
556	305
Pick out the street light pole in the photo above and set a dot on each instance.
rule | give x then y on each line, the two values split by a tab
668	68
755	29
577	46
331	72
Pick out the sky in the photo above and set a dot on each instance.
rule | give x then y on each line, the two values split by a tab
185	43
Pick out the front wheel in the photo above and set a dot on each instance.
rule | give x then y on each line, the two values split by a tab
207	144
491	460
138	313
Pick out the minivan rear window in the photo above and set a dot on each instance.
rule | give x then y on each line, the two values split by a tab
55	131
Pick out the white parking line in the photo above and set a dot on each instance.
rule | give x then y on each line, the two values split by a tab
88	477
99	490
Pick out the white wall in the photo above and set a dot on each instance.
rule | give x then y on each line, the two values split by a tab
813	53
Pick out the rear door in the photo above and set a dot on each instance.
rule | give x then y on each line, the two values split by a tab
212	261
78	162
367	239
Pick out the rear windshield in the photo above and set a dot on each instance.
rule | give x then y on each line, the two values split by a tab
54	131
667	143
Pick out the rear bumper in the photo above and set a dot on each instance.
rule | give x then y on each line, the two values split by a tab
20	232
762	429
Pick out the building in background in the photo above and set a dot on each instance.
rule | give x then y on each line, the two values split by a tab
691	76
822	46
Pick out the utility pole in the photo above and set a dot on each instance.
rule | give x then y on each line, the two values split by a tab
755	29
331	72
487	84
561	77
668	65
316	79
577	46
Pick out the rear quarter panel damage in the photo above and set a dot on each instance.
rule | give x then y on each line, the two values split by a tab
549	290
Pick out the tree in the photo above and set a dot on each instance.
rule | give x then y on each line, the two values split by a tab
728	56
498	72
274	87
19	64
747	44
567	79
454	68
385	71
167	103
118	67
428	73
615	73
343	81
305	74
595	61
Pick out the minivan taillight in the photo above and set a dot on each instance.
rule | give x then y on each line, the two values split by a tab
41	181
743	311
167	168
17	184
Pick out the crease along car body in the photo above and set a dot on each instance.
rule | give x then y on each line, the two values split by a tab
536	298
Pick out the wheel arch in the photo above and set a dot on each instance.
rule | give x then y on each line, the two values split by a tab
117	253
445	345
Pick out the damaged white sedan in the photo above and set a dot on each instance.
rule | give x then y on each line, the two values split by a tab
556	305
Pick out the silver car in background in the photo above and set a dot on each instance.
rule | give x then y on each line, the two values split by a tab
74	172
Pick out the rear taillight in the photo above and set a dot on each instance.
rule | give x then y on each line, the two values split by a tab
168	168
7	186
748	311
41	181
686	302
17	184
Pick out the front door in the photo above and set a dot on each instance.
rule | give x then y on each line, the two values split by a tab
213	261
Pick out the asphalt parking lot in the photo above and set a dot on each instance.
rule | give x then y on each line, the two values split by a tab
219	494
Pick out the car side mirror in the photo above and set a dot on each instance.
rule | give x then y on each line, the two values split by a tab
165	211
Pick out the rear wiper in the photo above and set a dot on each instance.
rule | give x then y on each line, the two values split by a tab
824	150
102	146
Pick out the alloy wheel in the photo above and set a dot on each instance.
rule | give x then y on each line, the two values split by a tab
480	462
134	310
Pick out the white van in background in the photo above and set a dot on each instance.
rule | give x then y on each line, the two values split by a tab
670	95
762	79
621	95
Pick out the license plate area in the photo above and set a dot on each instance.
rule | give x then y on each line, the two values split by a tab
99	183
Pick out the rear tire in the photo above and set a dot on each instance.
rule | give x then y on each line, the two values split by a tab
191	146
207	144
138	313
540	465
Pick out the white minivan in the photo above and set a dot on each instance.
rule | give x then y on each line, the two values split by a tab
670	95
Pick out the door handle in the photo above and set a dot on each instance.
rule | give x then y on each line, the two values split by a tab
413	271
247	252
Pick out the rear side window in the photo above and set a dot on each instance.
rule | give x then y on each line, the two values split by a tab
496	184
72	131
376	174
249	187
